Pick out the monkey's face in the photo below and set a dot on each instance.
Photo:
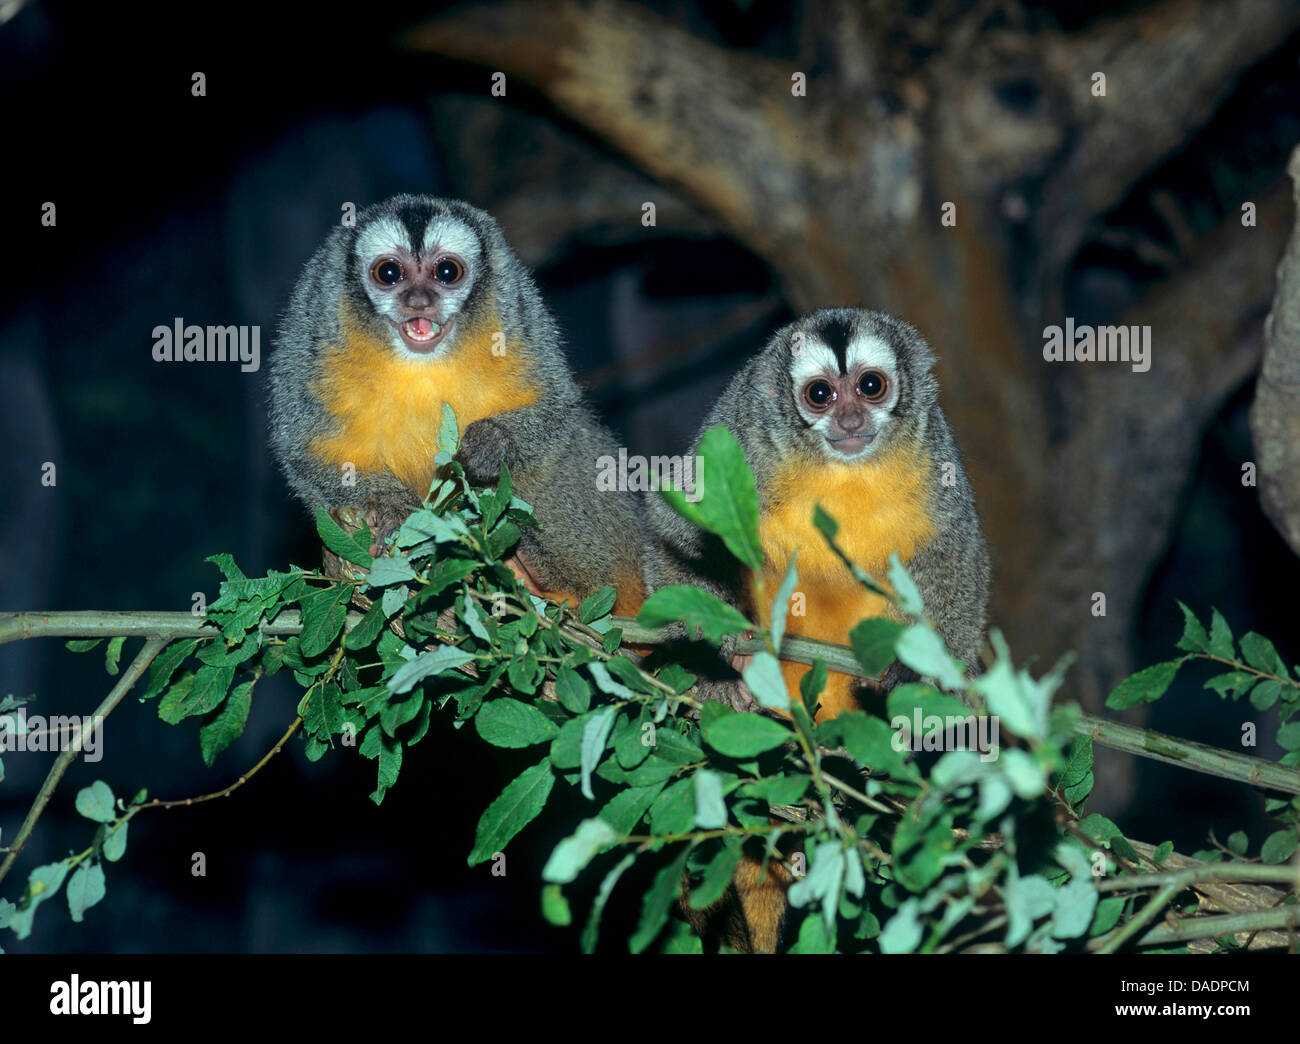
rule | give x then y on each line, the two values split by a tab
418	279
845	383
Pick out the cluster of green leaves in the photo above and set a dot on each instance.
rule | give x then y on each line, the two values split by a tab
876	879
83	872
896	846
1257	673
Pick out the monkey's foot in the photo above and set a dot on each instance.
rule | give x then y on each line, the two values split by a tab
735	694
383	520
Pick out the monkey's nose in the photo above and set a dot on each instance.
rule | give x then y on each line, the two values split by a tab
851	421
417	300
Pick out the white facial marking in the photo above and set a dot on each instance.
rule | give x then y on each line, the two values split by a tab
869	350
381	237
447	234
815	359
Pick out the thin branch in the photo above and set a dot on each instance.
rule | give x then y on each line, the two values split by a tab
1144	743
129	677
1230	924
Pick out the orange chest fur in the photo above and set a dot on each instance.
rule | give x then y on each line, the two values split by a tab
882	506
387	408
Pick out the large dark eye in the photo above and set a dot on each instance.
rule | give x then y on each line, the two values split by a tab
818	394
448	271
387	271
873	385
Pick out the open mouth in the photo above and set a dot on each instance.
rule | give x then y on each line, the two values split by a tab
421	333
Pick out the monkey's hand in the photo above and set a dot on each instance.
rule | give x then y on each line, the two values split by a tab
483	446
731	691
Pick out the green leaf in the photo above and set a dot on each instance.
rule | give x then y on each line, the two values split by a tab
343	545
1238	842
1147	686
85	889
367	629
427	524
740	735
1288	736
226	724
1194	638
115	842
710	808
624	810
781	603
604	682
905	589
728	500
779	789
595	735
700	611
921	648
873	643
205	693
516	807
902	933
42	883
1232	684
323	614
658	902
96	802
592	930
525	673
395	569
717	875
113	654
1163	851
677	677
674	810
823	523
870	742
510	723
1261	655
160	675
435	662
572	855
1279	846
572	690
80	645
395	713
598	604
1028	898
1265	694
1221	638
1107	915
448	432
555	908
764	678
813	684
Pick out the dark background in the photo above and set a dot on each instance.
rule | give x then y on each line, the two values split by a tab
206	208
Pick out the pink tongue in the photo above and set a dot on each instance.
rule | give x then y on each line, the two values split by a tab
420	327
